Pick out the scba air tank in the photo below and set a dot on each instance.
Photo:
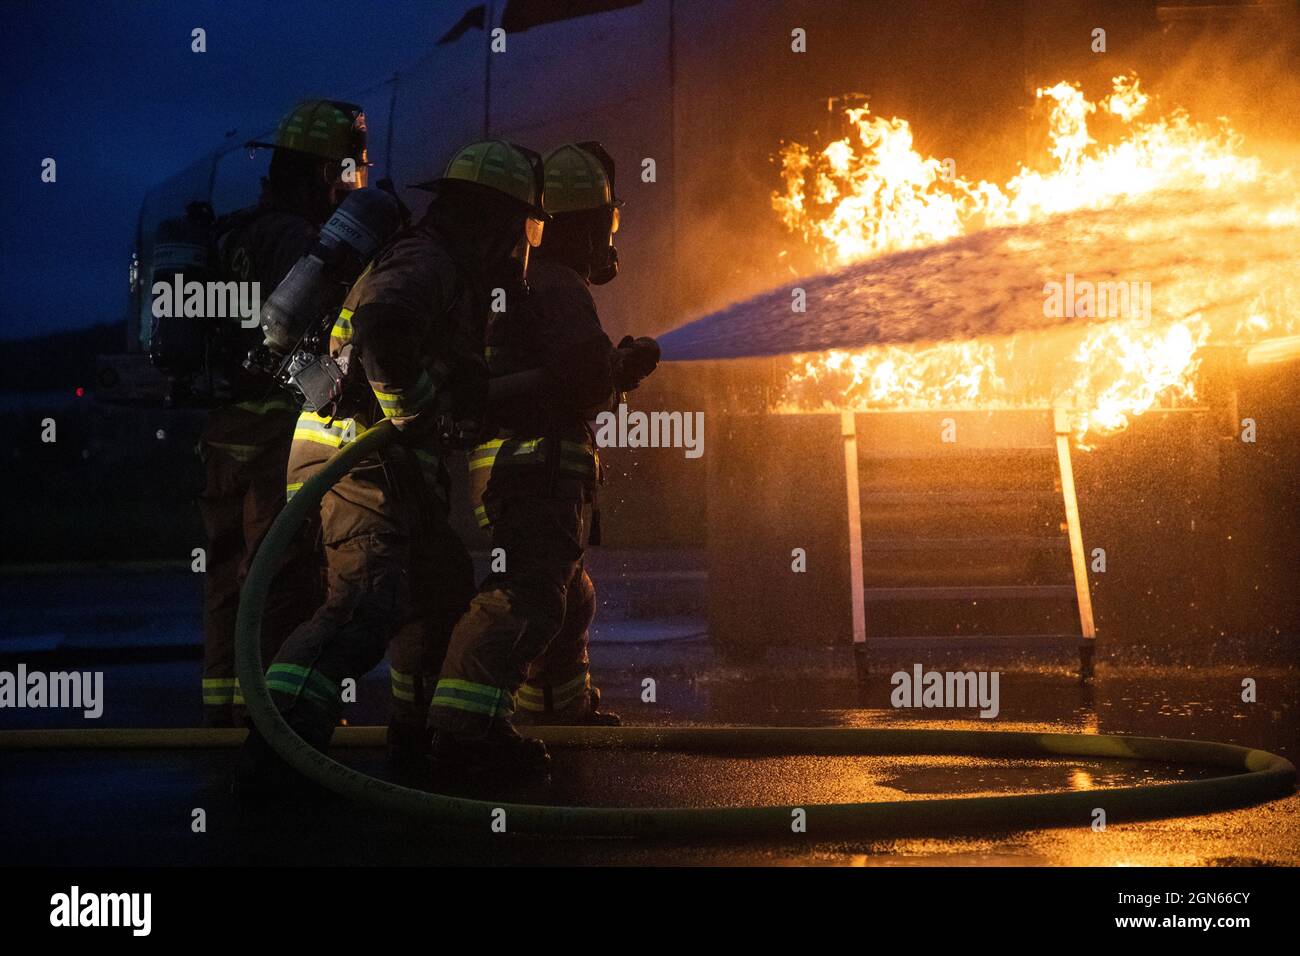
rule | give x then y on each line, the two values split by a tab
317	283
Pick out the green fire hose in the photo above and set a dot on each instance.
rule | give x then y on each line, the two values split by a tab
1252	776
1265	775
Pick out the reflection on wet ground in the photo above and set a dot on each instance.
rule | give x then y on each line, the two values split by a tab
112	808
105	807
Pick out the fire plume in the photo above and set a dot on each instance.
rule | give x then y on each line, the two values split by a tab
871	193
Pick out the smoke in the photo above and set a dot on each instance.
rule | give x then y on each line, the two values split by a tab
1241	66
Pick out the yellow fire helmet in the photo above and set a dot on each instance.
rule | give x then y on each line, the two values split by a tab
579	177
330	129
506	167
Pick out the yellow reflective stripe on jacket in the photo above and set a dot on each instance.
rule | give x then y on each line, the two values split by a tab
483	455
321	429
341	333
400	403
575	457
512	450
342	330
291	489
406	401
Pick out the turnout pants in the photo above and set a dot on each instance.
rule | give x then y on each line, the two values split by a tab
244	454
558	683
504	649
395	570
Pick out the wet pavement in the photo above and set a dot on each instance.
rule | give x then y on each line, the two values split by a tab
101	807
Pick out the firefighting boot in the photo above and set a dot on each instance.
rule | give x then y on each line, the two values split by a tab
594	716
500	752
584	712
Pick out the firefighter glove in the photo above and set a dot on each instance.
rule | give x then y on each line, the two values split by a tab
634	359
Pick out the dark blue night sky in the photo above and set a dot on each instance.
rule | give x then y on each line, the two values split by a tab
112	91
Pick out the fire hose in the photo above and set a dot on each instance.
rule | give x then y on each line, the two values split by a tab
1255	775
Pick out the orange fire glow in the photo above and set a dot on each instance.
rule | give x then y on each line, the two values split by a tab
872	193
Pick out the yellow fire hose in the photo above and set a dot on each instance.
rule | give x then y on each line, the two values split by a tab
1256	774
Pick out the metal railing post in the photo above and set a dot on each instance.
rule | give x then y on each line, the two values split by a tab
1083	594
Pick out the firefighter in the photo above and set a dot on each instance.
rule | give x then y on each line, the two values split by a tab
521	650
318	154
410	339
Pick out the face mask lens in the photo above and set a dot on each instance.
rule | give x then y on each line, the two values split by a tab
533	231
613	221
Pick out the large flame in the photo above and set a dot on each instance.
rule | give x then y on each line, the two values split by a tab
872	193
